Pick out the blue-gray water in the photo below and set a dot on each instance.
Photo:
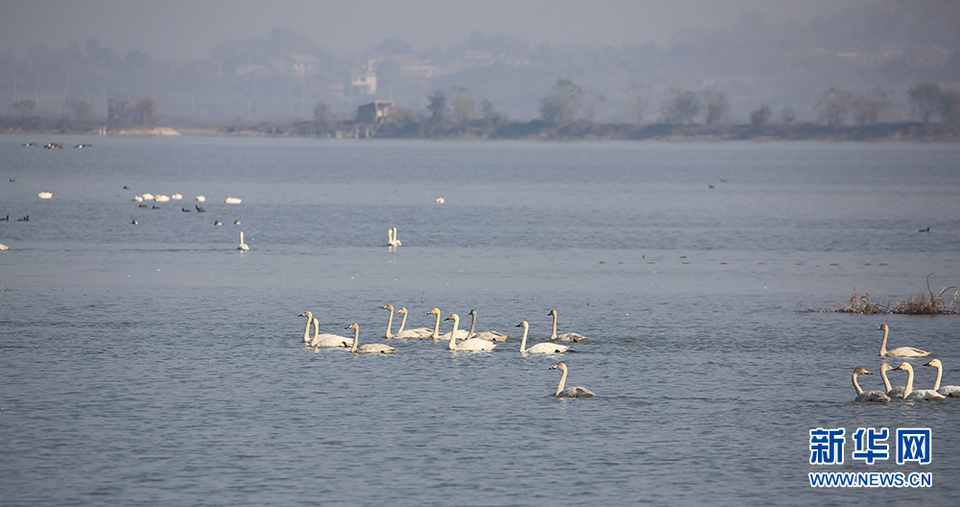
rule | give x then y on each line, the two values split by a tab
157	364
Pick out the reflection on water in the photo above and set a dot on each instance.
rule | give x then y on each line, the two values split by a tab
156	363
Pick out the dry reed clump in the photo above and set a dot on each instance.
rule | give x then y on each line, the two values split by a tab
930	303
862	305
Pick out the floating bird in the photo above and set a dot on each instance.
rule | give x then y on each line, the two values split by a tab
471	345
917	394
237	222
201	198
4	247
440	200
950	391
878	396
242	246
5	219
185	210
232	200
26	218
29	145
217	222
899	351
540	348
570	392
924	230
134	222
45	195
81	146
370	348
199	209
565	337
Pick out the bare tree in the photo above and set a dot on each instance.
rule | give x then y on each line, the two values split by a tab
489	112
761	116
867	109
437	107
462	104
950	107
563	103
680	106
24	107
833	106
638	103
925	100
718	108
79	107
788	115
145	110
118	106
593	106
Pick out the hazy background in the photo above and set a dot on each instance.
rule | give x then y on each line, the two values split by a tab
244	60
190	29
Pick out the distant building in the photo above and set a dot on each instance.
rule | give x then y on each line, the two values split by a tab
365	81
375	111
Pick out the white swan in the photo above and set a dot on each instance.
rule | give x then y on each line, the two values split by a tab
242	246
3	247
232	200
570	392
161	198
893	392
474	344
45	195
899	351
540	348
327	340
949	391
306	332
201	198
565	337
878	396
490	336
176	197
419	332
392	238
370	348
917	394
460	334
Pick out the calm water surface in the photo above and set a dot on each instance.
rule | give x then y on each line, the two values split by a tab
156	364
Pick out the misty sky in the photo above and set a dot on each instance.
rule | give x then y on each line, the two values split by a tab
189	29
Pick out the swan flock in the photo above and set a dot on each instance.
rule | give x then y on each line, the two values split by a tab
457	340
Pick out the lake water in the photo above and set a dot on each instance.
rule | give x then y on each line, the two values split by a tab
157	364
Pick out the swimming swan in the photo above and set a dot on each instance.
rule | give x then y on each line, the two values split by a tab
540	348
878	396
565	337
474	344
242	246
893	392
306	332
392	238
419	332
899	351
949	391
917	394
370	348
327	340
460	334
570	392
388	335
490	336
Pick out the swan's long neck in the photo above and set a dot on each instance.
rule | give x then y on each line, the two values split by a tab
886	381
390	237
473	324
306	331
356	339
563	380
316	331
909	381
453	334
523	341
883	343
936	385
388	334
855	384
553	333
436	329
402	323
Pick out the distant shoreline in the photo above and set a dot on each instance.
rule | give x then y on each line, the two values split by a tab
532	130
